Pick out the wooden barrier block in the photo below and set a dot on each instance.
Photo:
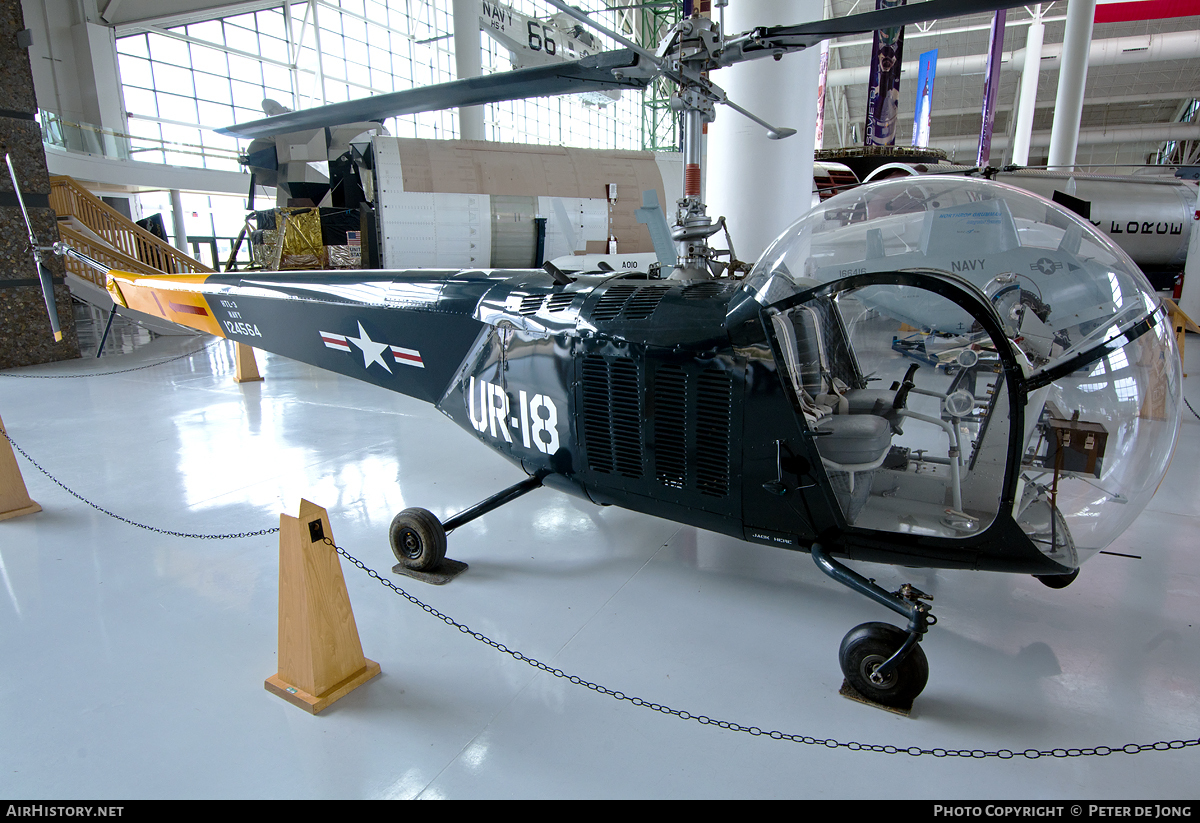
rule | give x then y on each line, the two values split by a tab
320	656
247	366
14	497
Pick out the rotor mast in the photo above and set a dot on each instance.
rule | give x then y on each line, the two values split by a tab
690	50
692	226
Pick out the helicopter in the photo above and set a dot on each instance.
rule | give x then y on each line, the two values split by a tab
1028	391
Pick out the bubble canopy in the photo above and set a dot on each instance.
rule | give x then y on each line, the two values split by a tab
1082	321
998	238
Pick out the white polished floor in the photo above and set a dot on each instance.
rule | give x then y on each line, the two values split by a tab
132	663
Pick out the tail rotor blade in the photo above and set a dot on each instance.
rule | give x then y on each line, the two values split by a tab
44	275
51	306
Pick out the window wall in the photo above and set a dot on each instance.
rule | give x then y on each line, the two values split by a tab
181	82
587	121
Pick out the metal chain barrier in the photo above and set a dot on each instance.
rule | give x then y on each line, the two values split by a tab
103	510
913	751
203	348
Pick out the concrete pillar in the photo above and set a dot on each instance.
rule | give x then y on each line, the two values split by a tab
762	186
1068	104
74	64
1029	86
99	79
25	337
468	63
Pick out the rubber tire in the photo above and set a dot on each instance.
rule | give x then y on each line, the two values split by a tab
418	539
866	647
1058	581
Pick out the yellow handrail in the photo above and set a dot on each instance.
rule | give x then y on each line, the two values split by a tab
124	236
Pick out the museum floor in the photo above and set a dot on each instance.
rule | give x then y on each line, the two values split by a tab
132	662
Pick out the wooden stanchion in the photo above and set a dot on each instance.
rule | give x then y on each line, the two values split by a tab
14	497
1181	323
320	656
247	366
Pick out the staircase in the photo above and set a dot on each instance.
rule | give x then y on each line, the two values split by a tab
96	229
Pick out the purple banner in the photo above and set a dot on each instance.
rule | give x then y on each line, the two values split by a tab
992	90
822	77
883	96
924	113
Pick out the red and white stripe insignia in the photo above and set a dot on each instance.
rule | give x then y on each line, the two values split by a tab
335	341
409	357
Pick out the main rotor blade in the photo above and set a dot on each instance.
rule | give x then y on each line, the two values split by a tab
870	21
592	73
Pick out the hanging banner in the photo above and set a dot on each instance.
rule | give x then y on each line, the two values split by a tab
822	76
924	113
992	90
883	96
1115	11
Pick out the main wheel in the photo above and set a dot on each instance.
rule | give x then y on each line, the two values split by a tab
418	539
865	648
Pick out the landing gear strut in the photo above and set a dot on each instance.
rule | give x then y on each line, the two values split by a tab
881	662
418	538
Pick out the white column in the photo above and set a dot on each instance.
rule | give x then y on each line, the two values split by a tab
468	63
320	54
1029	86
293	55
1068	104
180	228
762	186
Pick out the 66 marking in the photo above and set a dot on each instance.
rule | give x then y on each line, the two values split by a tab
536	418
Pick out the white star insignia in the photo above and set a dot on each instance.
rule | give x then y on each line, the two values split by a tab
372	352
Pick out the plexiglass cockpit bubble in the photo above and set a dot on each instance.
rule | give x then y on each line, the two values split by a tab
1097	361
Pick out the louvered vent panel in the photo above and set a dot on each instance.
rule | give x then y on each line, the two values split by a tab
626	418
701	291
713	401
612	416
670	426
612	301
597	427
560	302
644	302
530	304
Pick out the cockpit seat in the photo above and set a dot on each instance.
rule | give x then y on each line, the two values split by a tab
883	402
852	447
853	439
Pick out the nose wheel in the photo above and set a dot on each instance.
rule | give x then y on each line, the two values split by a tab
883	664
864	651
